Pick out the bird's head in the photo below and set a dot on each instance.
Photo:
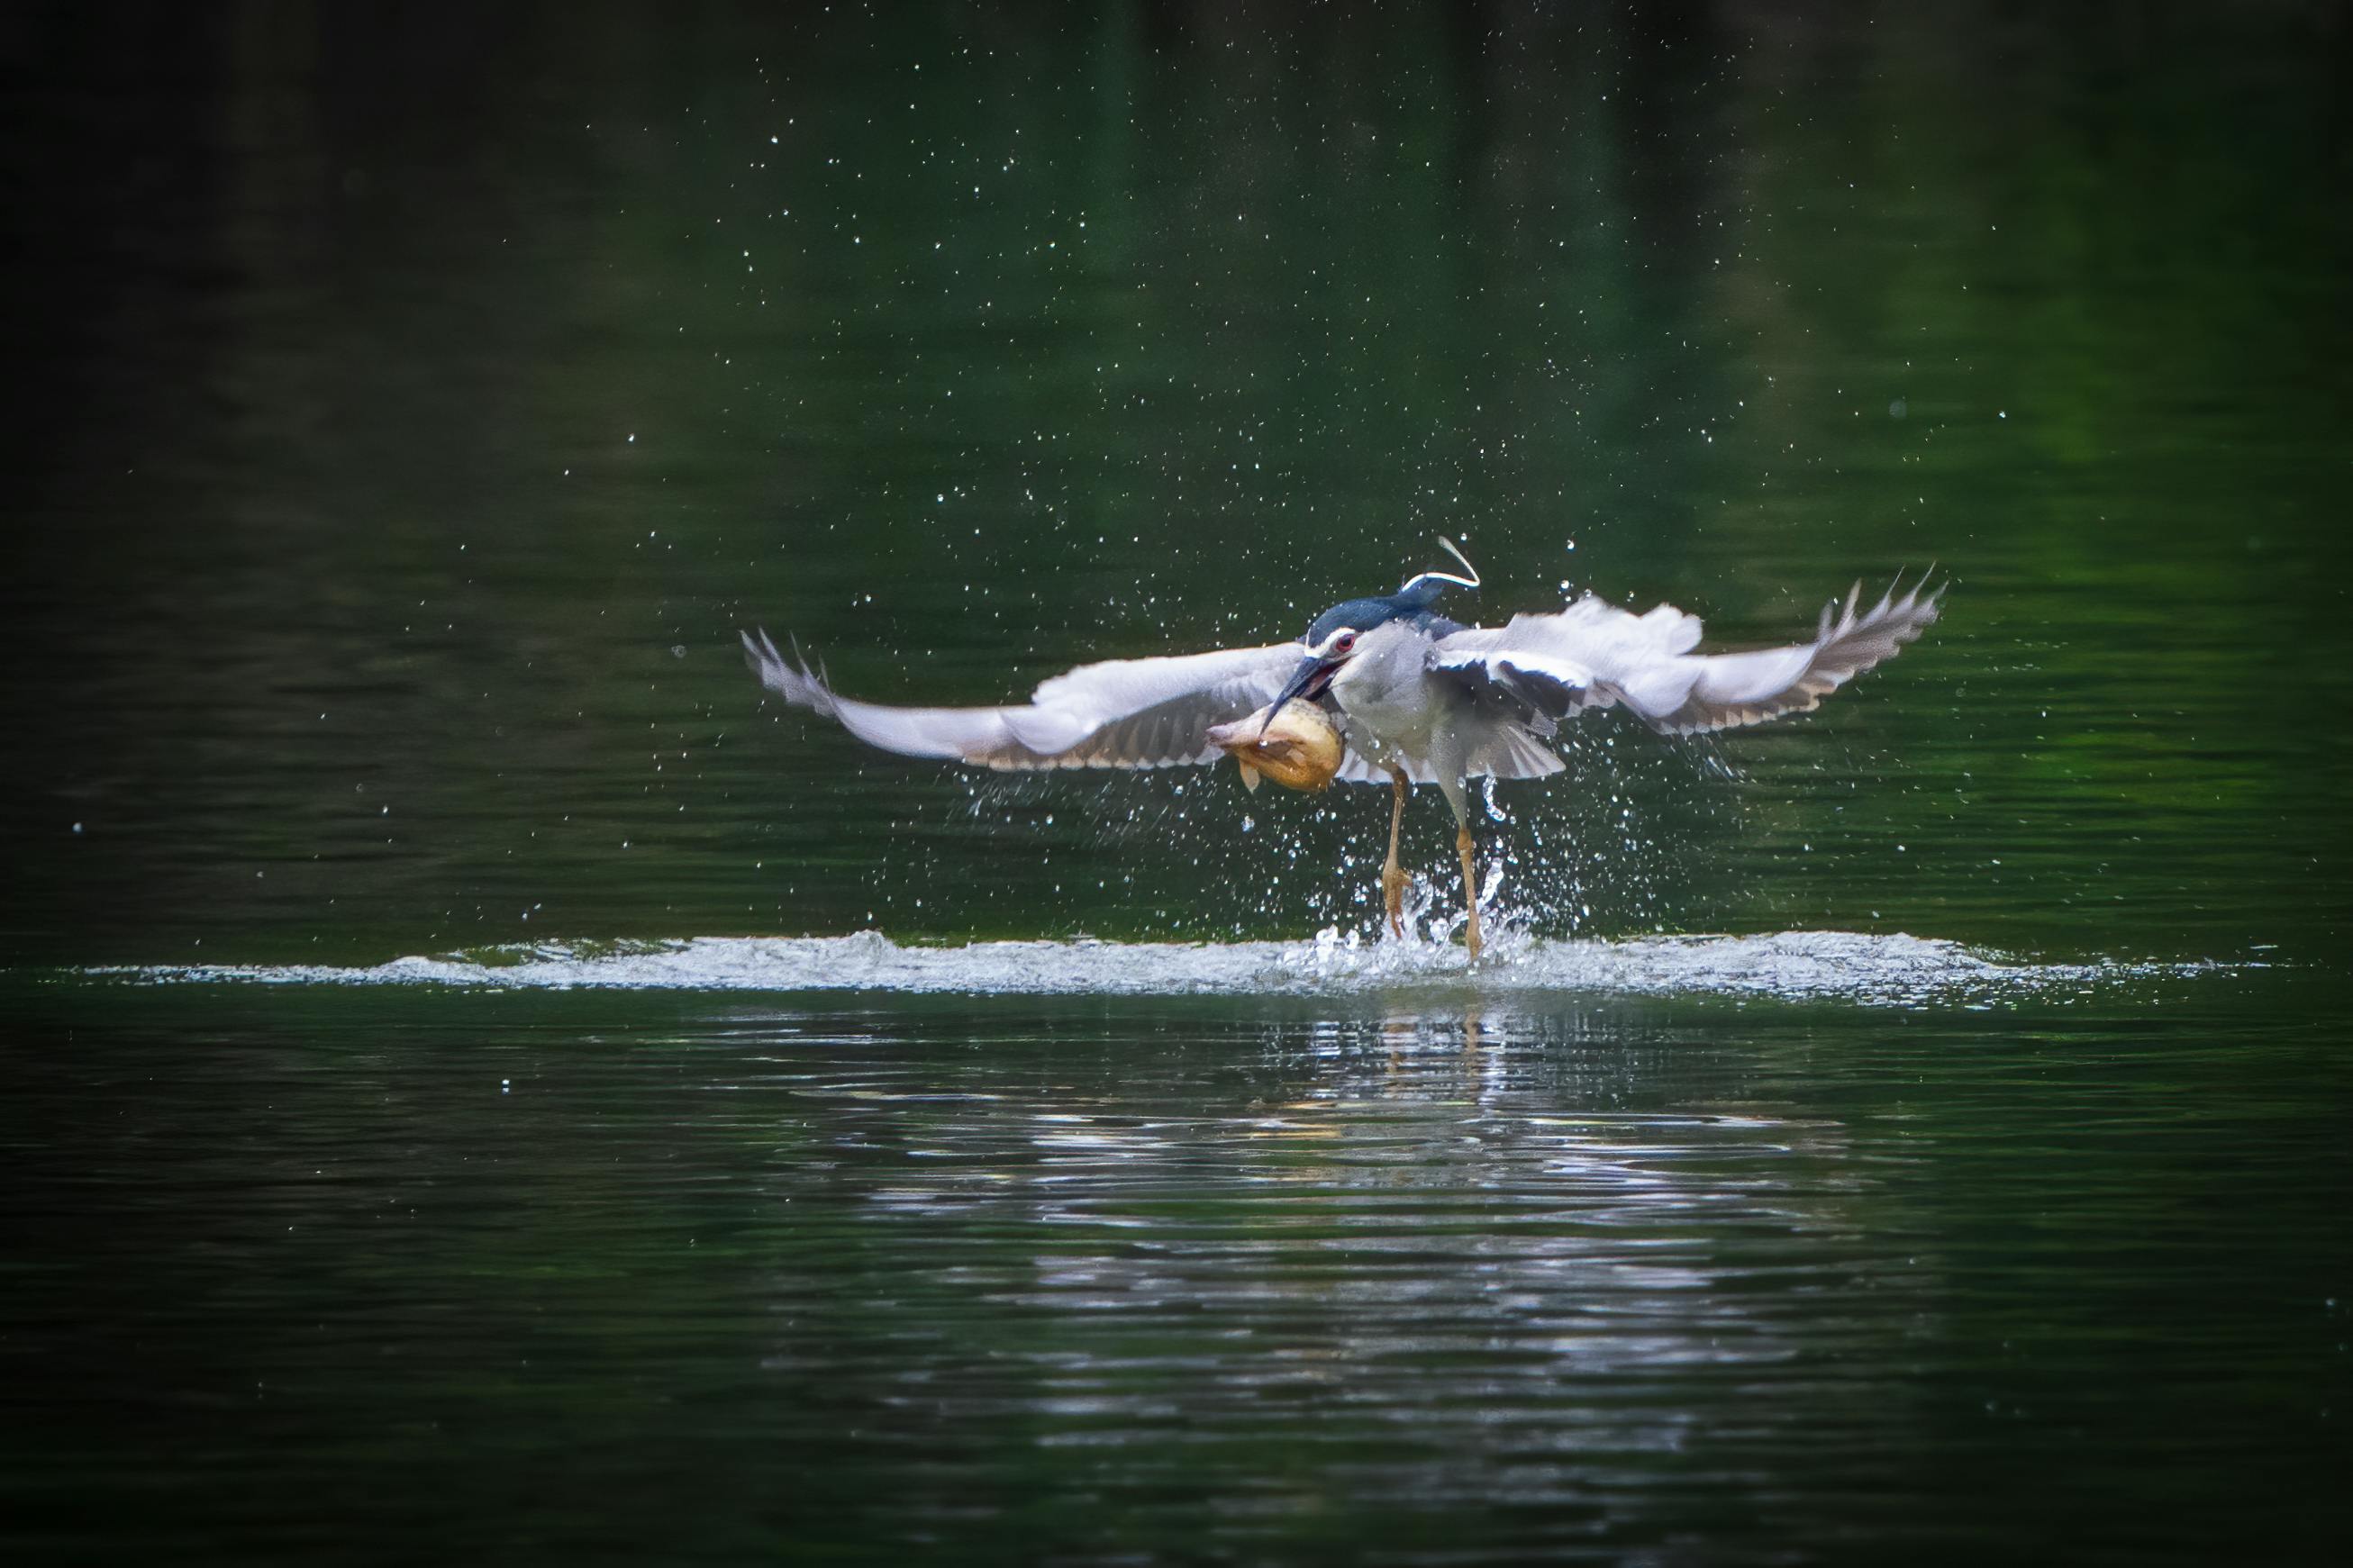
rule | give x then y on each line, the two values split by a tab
1333	639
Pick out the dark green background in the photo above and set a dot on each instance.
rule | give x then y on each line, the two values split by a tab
411	404
351	618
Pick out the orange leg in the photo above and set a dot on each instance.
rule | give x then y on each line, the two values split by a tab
1392	874
1470	886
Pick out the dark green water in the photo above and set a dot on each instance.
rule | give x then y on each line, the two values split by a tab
418	408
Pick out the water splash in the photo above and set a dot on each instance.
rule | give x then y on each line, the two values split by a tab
1876	970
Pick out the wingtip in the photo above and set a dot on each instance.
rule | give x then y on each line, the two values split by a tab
791	679
759	653
1929	599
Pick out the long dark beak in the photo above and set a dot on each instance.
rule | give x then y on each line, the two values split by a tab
1301	680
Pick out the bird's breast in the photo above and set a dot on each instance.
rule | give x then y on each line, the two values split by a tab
1392	698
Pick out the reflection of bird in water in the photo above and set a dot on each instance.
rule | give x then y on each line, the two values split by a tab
1386	689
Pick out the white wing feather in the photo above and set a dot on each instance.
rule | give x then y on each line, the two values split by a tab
1122	713
1593	654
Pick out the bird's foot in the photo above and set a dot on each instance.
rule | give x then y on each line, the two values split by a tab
1393	885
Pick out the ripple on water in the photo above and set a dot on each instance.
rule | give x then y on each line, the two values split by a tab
1839	964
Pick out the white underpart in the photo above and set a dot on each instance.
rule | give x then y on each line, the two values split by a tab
1400	710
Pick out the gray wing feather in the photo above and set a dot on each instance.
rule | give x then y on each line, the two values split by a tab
1543	690
1731	689
1122	713
1508	750
1514	754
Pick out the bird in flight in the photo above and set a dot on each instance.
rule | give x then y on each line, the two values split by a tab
1385	688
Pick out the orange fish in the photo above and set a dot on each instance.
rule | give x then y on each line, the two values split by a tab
1298	749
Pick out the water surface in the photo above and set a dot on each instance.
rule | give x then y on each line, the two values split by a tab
1476	1278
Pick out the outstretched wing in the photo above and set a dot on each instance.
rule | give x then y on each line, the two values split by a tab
1593	655
1123	713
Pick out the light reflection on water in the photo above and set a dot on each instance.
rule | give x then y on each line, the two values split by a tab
1412	1246
1439	1212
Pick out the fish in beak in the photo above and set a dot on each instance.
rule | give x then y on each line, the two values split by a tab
1308	681
1289	741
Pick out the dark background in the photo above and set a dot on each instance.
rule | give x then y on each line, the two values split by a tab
415	401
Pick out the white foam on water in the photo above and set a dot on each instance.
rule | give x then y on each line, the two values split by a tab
1796	965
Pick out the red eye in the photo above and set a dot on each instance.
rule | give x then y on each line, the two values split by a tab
1347	643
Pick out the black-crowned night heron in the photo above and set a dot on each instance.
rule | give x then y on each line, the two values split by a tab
1386	689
